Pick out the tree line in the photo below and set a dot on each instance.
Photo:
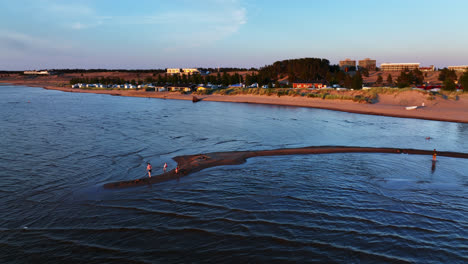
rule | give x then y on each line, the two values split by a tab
284	73
279	74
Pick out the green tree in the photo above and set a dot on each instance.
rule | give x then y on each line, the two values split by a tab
348	82
379	80
235	78
248	79
464	81
389	80
218	78
449	85
364	72
225	79
403	80
291	77
357	81
417	77
196	79
407	78
447	74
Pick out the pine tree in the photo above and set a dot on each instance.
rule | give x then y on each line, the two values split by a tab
379	80
389	80
464	81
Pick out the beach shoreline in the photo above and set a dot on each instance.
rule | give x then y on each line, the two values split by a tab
438	109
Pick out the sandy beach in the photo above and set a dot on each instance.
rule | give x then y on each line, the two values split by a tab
438	108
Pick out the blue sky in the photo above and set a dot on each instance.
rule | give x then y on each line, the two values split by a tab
39	34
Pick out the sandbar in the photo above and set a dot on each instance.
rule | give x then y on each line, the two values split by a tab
193	163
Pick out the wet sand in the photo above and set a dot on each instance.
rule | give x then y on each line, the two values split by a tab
193	163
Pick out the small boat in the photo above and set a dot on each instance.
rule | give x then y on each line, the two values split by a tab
195	99
411	107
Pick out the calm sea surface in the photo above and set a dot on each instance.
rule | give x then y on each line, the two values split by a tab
57	150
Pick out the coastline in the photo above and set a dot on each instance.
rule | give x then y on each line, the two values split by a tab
439	109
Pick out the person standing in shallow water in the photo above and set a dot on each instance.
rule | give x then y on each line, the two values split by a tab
434	155
165	167
149	168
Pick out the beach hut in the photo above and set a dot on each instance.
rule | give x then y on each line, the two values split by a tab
237	85
203	88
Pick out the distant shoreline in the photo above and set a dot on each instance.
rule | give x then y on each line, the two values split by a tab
438	109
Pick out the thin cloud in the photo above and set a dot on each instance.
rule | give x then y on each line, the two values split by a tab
68	9
78	26
27	44
201	24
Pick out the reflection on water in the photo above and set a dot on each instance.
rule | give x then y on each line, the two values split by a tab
59	149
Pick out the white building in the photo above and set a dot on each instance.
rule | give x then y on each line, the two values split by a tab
173	71
37	72
399	66
458	68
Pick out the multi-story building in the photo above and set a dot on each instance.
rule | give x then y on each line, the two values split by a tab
188	71
368	64
191	71
399	66
458	68
347	64
44	72
173	71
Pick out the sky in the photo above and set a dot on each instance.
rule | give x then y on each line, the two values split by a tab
158	34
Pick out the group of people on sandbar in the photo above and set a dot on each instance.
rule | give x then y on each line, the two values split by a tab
149	169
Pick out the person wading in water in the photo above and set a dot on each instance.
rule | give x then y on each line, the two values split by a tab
149	168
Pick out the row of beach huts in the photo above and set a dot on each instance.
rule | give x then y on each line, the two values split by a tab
163	88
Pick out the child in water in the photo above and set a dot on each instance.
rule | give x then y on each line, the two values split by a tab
149	168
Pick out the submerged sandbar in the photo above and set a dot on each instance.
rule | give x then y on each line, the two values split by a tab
193	163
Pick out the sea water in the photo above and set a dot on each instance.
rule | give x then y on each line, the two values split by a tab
57	149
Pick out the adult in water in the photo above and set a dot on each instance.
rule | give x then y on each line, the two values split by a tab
434	155
149	168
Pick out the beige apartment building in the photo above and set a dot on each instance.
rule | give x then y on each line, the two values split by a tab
458	68
188	71
173	71
45	72
368	64
347	63
399	66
